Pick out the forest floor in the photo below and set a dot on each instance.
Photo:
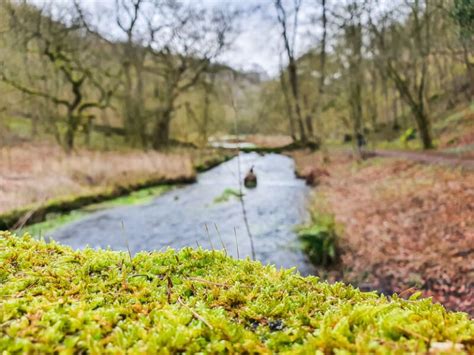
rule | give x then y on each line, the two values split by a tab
407	226
35	173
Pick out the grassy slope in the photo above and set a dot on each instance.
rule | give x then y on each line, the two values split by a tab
57	299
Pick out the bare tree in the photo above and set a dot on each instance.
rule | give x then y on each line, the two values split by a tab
463	14
317	106
353	35
129	14
183	51
289	41
203	119
402	52
71	61
286	96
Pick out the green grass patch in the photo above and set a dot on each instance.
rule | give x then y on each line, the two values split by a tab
53	221
56	300
66	204
227	194
56	220
135	198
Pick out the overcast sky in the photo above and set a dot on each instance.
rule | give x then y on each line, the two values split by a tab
258	44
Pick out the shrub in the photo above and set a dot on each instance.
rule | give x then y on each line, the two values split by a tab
55	299
319	239
408	135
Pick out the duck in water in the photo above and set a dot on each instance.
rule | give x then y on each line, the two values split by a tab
250	180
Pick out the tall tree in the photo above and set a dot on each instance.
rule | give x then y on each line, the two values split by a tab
132	54
289	41
84	84
353	38
403	51
182	50
463	13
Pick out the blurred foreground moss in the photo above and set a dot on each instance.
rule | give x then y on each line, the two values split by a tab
55	299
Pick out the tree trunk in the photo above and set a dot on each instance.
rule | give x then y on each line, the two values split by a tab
293	76
373	106
395	123
423	124
70	132
288	107
309	125
470	70
206	118
161	132
88	127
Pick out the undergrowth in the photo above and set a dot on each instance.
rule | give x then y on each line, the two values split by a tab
320	238
54	299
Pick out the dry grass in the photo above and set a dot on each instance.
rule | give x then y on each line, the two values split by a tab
35	173
406	225
267	141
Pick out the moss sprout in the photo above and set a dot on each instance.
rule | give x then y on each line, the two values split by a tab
55	299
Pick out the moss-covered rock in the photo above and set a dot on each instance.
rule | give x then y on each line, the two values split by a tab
54	299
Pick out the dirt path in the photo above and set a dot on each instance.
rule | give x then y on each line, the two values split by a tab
428	158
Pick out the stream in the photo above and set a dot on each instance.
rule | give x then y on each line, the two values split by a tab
178	218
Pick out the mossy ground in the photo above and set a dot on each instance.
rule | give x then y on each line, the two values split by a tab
54	299
56	220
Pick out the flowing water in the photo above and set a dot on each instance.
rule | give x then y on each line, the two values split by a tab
178	218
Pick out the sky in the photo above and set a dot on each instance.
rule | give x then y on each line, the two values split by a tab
258	45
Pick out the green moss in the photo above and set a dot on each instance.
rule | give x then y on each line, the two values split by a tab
70	203
208	162
135	198
54	221
226	195
54	299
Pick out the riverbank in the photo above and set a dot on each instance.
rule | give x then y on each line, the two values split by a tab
407	226
201	301
39	179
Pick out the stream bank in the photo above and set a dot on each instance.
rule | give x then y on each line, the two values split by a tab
37	213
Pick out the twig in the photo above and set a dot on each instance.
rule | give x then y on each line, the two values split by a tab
126	241
236	243
241	193
209	236
26	217
244	210
195	314
413	334
197	279
169	286
220	238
